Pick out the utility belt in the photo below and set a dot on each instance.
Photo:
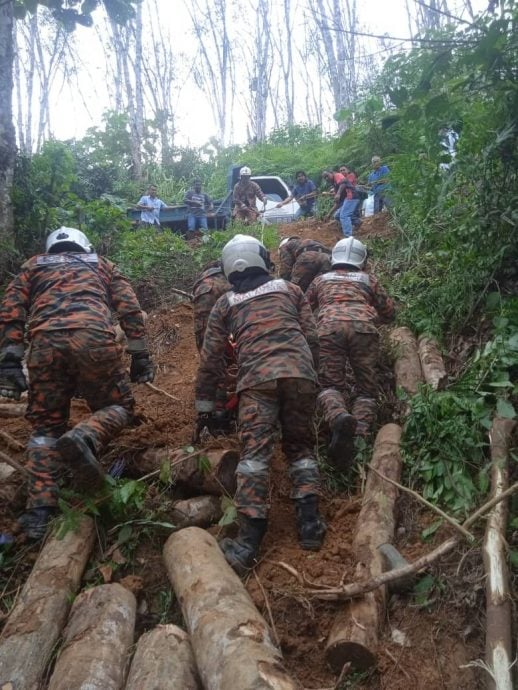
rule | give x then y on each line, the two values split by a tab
317	249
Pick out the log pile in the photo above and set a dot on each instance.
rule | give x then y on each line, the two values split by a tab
354	635
97	640
35	623
230	639
432	363
163	659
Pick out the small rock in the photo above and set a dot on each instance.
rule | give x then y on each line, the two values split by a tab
400	638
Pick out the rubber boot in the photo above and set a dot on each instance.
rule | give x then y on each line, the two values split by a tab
77	450
241	552
310	524
341	446
35	521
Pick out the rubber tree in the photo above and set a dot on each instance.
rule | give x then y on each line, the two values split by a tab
69	16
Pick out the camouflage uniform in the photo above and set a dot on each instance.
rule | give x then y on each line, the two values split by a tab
349	303
277	345
67	301
207	289
244	196
303	260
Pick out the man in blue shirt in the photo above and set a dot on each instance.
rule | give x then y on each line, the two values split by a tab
198	204
304	192
378	179
149	206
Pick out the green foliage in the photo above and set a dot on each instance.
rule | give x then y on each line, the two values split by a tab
444	445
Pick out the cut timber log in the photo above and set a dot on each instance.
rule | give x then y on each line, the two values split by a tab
97	641
164	659
407	366
499	656
35	624
230	639
354	635
199	511
432	363
205	471
12	410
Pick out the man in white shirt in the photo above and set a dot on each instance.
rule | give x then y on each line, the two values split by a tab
149	207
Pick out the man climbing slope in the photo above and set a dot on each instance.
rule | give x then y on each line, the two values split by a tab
277	351
302	260
65	298
350	302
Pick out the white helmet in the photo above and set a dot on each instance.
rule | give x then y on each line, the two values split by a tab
349	251
245	171
288	239
242	252
70	236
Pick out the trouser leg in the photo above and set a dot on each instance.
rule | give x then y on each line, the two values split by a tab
43	466
364	356
258	414
331	376
297	405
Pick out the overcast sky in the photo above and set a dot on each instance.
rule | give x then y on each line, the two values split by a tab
71	114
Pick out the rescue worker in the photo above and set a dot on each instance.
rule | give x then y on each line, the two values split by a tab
277	352
350	302
65	298
244	197
207	289
302	260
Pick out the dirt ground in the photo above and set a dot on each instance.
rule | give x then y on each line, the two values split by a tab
441	637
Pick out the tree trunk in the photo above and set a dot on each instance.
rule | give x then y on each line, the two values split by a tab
499	655
205	471
35	623
432	363
354	635
407	366
164	659
230	639
97	640
200	511
7	135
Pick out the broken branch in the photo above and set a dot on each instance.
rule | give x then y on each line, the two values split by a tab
423	500
6	458
163	392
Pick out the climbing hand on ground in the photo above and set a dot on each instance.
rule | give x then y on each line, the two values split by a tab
12	379
142	369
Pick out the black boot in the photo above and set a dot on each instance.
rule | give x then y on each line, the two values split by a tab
77	452
310	524
241	552
341	447
35	521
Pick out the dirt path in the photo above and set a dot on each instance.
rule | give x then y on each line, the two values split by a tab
441	638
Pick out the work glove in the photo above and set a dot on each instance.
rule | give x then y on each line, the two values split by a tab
12	379
142	369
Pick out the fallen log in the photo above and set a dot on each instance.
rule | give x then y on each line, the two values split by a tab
97	640
164	659
499	655
35	623
354	636
407	366
203	471
12	410
199	511
432	363
230	639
